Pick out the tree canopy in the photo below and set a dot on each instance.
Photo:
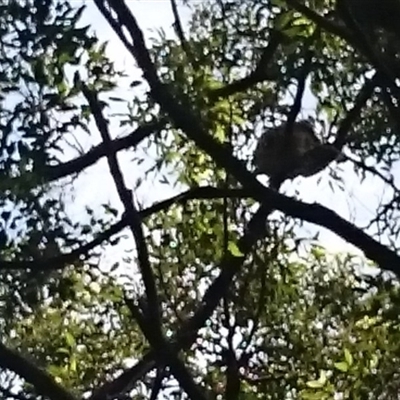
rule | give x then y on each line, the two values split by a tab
218	290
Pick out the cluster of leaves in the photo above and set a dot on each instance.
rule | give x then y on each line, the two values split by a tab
41	45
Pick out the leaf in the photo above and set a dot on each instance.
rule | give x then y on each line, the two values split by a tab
348	357
116	99
341	366
284	20
69	339
135	83
315	384
234	250
62	350
72	364
312	395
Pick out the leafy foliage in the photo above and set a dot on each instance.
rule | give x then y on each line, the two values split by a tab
294	321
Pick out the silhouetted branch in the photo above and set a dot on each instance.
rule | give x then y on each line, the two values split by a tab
165	353
373	171
125	195
357	41
151	323
64	259
76	165
262	72
197	193
179	31
190	122
43	383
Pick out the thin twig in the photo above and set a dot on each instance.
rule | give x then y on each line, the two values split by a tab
181	35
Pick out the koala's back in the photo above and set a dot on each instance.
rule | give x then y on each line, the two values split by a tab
275	151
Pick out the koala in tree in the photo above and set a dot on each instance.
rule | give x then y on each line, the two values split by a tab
284	155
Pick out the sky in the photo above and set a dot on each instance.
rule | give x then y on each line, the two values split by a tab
357	203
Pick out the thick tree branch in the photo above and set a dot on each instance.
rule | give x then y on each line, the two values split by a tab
197	193
187	119
262	72
125	195
357	41
151	323
76	165
166	353
43	383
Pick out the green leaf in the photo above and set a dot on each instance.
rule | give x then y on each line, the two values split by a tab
72	364
317	384
341	366
348	357
63	350
69	339
234	250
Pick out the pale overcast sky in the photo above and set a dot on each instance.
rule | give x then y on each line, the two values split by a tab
357	203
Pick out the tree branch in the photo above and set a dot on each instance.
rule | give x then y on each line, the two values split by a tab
151	323
359	42
261	73
187	119
79	164
179	31
64	259
125	195
43	383
197	193
76	165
